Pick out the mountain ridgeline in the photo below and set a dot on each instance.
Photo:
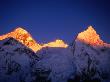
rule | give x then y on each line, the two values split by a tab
22	59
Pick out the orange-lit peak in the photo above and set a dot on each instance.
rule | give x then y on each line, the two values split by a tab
20	30
24	37
56	43
90	36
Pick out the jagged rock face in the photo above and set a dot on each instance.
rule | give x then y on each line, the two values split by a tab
58	62
16	62
87	60
92	61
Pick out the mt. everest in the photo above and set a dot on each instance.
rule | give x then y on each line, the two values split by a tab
22	59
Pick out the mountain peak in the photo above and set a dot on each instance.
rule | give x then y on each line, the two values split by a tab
24	37
21	35
90	36
56	43
91	29
20	30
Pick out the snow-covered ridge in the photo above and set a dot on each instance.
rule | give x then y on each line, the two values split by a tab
25	38
79	62
88	36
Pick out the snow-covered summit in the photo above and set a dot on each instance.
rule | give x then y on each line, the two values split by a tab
91	60
90	36
83	61
24	37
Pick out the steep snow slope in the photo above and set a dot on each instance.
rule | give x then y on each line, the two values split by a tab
86	60
16	61
60	63
79	63
91	57
92	63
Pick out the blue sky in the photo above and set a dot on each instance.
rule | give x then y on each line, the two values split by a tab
48	20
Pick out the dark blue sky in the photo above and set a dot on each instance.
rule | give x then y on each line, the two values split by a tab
48	20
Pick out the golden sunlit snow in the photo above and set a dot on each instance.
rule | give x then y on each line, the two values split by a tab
25	38
90	36
56	43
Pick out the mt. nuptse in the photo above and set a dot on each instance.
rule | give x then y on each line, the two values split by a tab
22	59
